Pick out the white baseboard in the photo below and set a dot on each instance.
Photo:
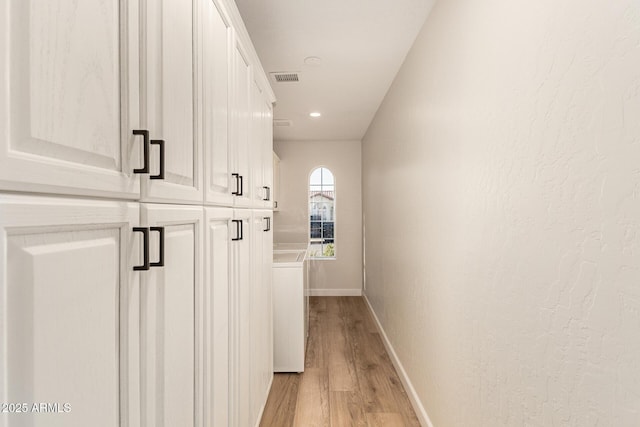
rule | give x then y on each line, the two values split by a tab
421	413
335	292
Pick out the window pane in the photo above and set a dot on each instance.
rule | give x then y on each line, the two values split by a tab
316	177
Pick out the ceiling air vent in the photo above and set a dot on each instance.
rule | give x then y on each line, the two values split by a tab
285	76
282	123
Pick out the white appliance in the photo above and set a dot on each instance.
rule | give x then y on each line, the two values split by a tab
290	309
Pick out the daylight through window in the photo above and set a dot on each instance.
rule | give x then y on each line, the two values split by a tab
322	218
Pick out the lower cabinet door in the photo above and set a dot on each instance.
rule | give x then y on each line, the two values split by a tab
267	302
171	317
261	365
241	319
69	298
216	299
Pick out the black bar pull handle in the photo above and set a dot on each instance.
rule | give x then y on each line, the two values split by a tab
267	193
160	262
239	233
241	186
145	150
268	218
160	143
145	245
237	177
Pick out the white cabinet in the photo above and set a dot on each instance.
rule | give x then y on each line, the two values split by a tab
217	39
170	88
240	125
171	317
241	318
69	88
267	153
256	136
291	310
276	181
260	302
216	330
69	300
117	307
261	148
237	305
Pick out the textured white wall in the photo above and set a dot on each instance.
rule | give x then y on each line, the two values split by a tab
291	222
501	188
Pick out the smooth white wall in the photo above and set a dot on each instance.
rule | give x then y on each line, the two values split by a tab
342	276
501	188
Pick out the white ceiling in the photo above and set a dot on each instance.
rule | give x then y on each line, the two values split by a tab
362	44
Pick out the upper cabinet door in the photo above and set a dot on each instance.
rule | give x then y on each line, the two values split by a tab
216	57
276	180
256	138
240	125
169	101
69	96
267	153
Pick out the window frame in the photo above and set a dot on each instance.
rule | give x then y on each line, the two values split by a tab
309	214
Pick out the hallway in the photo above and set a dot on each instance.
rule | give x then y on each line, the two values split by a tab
349	379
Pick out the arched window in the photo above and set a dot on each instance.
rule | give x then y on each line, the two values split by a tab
322	216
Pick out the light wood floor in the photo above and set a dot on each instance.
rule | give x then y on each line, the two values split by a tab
349	379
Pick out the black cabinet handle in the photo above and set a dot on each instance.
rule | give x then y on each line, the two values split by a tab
268	218
241	186
239	230
145	244
268	193
160	143
238	191
160	262
145	149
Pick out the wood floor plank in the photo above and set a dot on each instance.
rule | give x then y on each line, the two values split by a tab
384	419
400	395
357	311
349	378
339	357
312	407
314	357
375	387
346	409
280	409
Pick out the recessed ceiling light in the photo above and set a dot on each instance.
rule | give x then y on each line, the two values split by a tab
315	114
314	61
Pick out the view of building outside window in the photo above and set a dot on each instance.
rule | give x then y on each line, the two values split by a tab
322	200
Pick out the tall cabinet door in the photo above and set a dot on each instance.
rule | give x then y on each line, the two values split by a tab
69	298
216	59
240	125
69	97
171	317
261	322
170	110
216	299
240	319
